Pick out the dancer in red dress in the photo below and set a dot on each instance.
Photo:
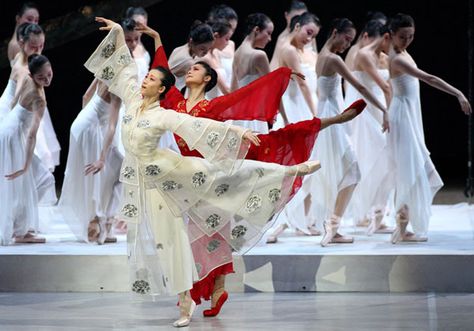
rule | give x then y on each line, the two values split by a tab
287	146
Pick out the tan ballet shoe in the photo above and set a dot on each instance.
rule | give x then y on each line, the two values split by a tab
186	308
30	239
305	168
340	239
401	230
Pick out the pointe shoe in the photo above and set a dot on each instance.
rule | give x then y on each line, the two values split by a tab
272	239
340	239
186	314
215	310
30	239
358	105
93	230
400	231
330	230
313	231
305	168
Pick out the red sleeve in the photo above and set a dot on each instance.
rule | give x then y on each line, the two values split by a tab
174	96
259	100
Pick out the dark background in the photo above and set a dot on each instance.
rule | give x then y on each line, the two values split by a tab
440	47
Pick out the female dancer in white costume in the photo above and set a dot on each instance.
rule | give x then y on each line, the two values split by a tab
222	33
298	104
160	185
251	62
296	8
18	165
140	54
372	193
224	13
416	179
200	41
334	187
31	39
28	13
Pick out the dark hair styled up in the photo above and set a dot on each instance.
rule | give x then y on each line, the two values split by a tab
209	72
401	21
25	6
36	62
376	15
222	12
201	33
375	28
296	5
304	19
220	27
256	20
25	30
168	80
341	25
132	11
128	24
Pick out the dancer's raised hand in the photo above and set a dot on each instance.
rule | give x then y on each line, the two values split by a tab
109	24
465	105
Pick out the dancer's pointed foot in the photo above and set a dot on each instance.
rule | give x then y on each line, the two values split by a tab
330	230
353	110
186	308
303	169
214	311
93	230
273	238
400	231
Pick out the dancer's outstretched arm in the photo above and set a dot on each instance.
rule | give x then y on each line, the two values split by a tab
405	67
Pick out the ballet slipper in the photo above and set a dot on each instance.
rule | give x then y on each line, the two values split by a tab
106	235
400	231
121	227
303	169
273	238
186	308
353	110
313	231
29	239
340	239
383	229
214	311
330	230
93	230
414	238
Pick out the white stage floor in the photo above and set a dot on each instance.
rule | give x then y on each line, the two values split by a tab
451	233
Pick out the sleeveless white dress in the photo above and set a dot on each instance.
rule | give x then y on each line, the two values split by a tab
416	179
374	187
85	197
339	167
47	145
21	196
293	100
297	110
7	98
226	63
255	126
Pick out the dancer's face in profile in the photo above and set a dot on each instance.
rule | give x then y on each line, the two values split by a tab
200	50
403	37
263	37
152	85
305	34
34	45
30	15
197	75
342	40
221	42
132	38
44	76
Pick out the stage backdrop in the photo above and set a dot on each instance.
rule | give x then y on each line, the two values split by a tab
440	47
